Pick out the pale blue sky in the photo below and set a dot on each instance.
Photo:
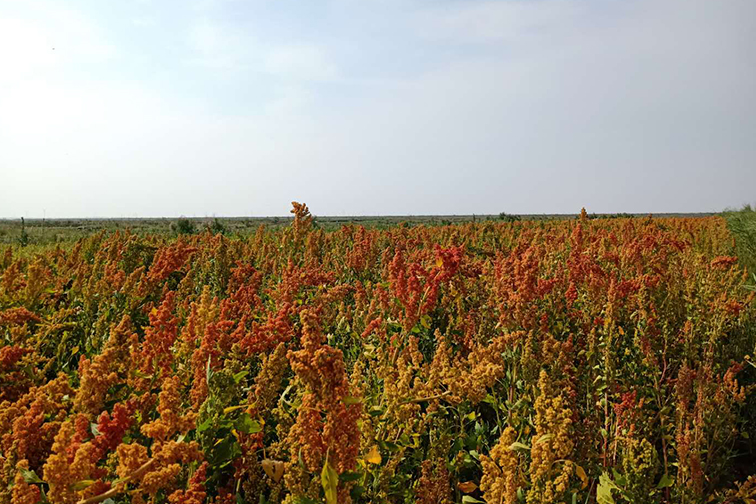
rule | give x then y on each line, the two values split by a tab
238	107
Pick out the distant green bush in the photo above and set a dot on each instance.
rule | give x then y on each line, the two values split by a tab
183	226
215	227
509	217
23	239
742	224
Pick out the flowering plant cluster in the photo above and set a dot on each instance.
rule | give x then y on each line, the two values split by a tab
524	362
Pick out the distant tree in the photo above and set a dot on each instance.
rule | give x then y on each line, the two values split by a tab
509	217
23	239
215	227
183	226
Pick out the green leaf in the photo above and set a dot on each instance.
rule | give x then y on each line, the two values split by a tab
619	479
231	409
665	481
357	492
348	400
30	476
81	485
301	499
329	478
518	446
225	451
604	490
205	425
208	371
241	374
388	445
141	375
246	425
350	476
467	498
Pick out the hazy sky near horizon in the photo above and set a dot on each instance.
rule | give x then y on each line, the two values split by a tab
363	107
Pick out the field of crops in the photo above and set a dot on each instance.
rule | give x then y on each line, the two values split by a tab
574	361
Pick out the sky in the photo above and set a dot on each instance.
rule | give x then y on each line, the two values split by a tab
138	108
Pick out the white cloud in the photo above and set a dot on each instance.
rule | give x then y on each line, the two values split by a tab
25	49
41	46
301	62
217	46
288	100
144	21
487	21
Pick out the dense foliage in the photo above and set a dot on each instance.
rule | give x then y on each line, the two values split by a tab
504	362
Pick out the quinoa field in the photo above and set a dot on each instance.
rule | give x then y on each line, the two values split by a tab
538	361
